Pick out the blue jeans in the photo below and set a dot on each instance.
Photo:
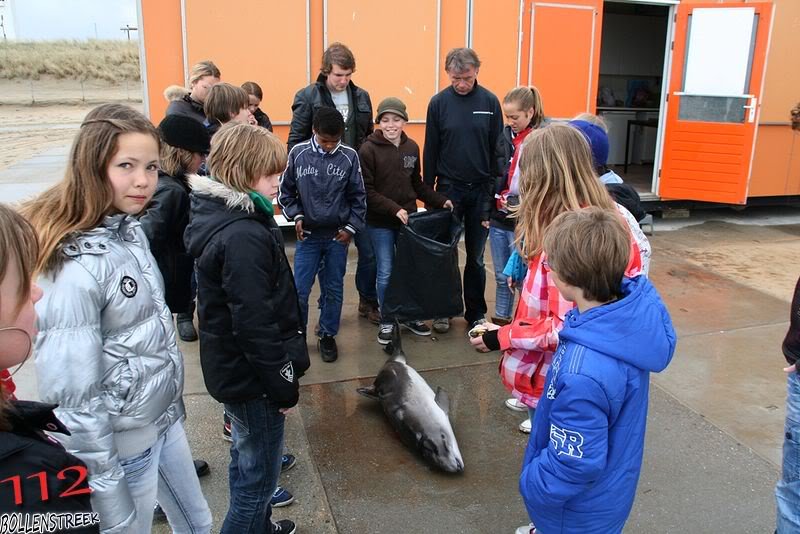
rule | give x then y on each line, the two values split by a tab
787	492
307	258
165	472
502	245
472	204
257	431
383	242
365	270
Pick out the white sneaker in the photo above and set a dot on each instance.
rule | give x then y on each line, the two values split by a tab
516	405
527	529
525	426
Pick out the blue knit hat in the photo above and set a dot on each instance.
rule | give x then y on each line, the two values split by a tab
598	141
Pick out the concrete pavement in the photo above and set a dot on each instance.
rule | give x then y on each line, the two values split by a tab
715	422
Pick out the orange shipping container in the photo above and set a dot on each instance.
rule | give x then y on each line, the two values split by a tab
696	94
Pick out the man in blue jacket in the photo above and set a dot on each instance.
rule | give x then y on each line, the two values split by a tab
585	452
323	193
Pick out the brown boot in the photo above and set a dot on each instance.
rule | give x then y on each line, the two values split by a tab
369	310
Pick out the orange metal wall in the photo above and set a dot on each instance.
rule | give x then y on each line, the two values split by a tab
495	35
566	55
384	66
777	172
273	55
244	39
163	44
776	166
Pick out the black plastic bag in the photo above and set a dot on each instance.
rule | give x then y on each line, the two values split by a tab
426	281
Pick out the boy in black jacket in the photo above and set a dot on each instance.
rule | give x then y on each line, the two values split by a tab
252	341
323	193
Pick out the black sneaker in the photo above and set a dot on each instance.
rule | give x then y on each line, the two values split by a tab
418	327
281	497
186	329
385	333
327	349
284	526
287	462
201	468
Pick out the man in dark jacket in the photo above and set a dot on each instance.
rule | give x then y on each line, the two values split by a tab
461	131
335	89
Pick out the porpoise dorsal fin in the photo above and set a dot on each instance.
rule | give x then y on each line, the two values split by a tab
443	400
369	392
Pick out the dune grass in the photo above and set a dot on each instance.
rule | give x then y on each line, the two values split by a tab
106	60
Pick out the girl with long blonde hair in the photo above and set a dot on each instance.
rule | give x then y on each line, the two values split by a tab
556	176
106	352
522	108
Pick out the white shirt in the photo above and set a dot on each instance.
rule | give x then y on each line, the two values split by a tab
342	103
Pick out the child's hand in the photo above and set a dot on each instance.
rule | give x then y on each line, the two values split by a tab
511	283
485	224
790	369
478	343
448	204
298	230
343	237
402	215
285	411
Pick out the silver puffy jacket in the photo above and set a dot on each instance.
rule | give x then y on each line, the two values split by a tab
106	354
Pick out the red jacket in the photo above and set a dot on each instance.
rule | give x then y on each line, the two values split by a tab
529	342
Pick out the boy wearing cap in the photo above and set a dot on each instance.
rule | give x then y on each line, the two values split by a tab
185	142
391	169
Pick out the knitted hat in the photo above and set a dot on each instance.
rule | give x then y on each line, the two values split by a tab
598	141
184	132
391	105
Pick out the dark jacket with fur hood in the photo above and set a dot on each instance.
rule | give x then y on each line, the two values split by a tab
392	180
252	342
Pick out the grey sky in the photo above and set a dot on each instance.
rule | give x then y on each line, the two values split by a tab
72	19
